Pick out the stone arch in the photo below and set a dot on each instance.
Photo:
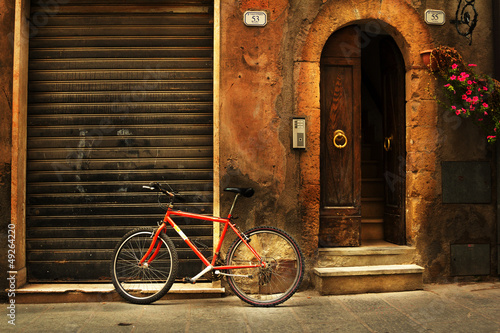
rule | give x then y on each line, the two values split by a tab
406	26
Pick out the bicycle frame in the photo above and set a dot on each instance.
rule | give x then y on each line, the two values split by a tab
209	265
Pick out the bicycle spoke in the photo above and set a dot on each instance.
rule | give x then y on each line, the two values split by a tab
148	282
278	280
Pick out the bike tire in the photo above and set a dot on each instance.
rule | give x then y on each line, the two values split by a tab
266	286
147	284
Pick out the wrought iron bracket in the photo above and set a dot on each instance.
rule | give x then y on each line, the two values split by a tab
465	18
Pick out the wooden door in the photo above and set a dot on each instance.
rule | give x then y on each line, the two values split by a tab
393	90
340	166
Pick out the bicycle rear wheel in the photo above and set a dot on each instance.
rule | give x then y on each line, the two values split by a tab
281	277
147	283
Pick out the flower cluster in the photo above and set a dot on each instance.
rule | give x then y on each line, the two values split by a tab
471	91
468	94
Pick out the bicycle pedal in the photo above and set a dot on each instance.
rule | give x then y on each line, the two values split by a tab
188	280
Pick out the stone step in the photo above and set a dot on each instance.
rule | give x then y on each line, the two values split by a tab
371	169
366	279
372	187
372	229
372	207
388	254
372	152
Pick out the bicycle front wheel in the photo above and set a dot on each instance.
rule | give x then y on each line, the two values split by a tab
270	285
143	284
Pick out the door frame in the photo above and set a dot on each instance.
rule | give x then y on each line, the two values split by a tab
307	105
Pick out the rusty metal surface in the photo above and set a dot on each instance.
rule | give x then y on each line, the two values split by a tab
120	95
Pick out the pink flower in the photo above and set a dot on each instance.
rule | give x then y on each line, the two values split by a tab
453	77
485	88
469	82
472	108
475	99
469	92
454	66
464	97
453	107
472	65
457	112
447	85
485	105
480	119
485	113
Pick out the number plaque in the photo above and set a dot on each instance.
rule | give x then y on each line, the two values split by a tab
255	18
433	16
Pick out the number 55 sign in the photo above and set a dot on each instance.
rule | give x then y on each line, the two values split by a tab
255	18
436	17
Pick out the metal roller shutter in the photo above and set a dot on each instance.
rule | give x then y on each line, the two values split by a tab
120	95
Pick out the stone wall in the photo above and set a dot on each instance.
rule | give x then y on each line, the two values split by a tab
270	74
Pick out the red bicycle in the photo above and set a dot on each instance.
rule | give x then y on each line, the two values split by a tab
264	266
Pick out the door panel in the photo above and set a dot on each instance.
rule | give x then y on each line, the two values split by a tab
340	211
393	88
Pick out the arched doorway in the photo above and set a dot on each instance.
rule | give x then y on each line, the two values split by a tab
362	153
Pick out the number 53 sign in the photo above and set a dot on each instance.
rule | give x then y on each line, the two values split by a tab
255	18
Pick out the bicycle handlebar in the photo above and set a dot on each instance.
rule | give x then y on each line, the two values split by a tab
157	187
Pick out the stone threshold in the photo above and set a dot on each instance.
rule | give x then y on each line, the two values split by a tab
366	250
105	292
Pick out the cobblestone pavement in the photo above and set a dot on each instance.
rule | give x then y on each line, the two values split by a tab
438	308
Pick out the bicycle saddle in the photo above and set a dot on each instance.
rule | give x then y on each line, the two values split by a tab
244	191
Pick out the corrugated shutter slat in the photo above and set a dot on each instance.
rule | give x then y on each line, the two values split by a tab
120	95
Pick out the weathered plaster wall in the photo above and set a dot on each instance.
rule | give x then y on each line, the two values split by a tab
6	66
269	75
255	116
442	225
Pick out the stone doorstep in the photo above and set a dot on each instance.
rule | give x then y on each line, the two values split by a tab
366	250
368	279
97	292
368	270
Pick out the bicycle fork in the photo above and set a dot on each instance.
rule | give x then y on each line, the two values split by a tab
153	242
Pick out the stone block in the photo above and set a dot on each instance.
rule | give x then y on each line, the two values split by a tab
422	113
420	85
368	279
422	138
422	184
420	161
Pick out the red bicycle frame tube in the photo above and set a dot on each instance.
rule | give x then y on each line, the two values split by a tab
225	221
